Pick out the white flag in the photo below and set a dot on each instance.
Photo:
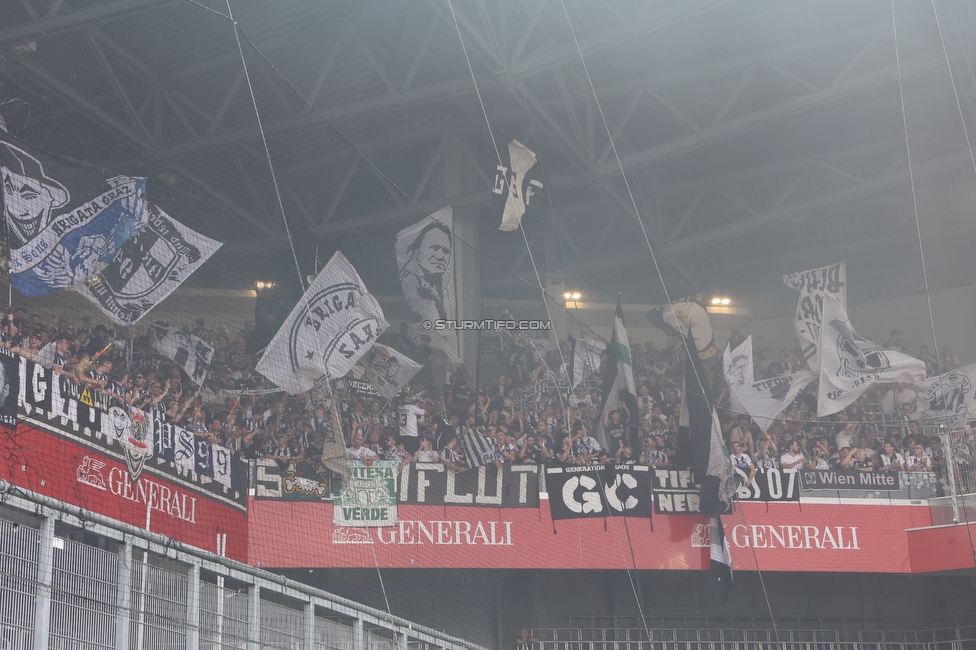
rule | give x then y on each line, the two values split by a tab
190	352
738	370
147	268
520	191
946	398
426	264
334	324
388	370
811	286
765	399
849	365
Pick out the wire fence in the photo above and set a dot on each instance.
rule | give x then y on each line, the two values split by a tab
104	588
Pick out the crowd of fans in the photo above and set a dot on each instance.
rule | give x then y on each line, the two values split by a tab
527	414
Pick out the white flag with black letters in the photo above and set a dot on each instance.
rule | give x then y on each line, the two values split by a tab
517	180
945	399
811	286
147	268
190	352
849	365
335	323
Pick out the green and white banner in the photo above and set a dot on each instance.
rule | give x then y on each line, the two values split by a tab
369	498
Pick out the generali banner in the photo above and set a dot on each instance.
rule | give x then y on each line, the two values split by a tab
779	536
99	480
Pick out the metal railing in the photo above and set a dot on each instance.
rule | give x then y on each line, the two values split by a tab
699	633
75	580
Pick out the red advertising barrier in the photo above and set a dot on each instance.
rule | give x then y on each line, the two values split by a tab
943	548
782	537
52	464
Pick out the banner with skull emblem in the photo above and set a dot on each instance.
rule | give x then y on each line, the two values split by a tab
849	365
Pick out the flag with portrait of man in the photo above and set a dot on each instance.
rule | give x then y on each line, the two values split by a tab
426	264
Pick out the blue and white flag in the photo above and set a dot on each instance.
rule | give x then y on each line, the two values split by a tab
65	220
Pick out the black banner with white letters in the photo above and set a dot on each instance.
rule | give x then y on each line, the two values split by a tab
511	486
58	405
599	491
9	387
769	485
676	493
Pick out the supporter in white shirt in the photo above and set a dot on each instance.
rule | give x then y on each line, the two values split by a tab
792	460
918	461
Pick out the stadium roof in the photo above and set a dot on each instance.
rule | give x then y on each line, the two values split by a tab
759	137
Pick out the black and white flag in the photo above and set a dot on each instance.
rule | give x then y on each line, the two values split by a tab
811	287
190	352
388	370
149	267
333	325
584	359
945	399
720	556
519	182
479	449
426	265
849	365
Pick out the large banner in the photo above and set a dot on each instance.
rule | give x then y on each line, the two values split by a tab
333	325
820	537
850	479
599	491
148	268
676	493
811	287
141	443
65	220
86	449
509	486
